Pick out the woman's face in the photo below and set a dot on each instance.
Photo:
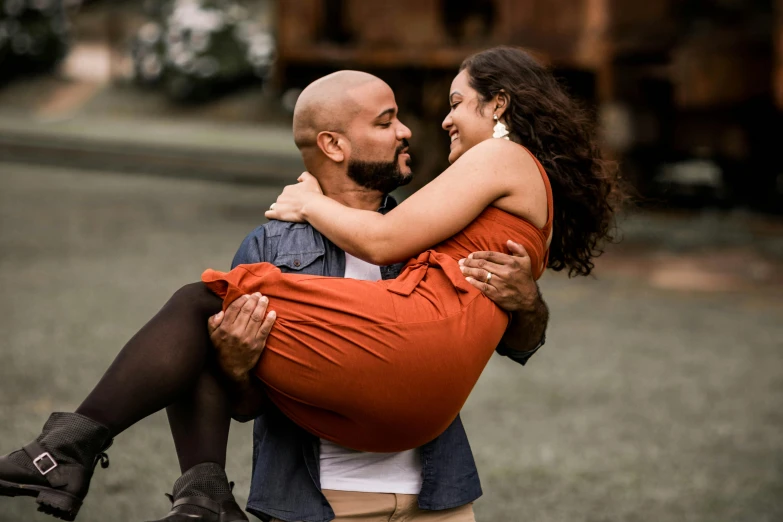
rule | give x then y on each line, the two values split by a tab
465	123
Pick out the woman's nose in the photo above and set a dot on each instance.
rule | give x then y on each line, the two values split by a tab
446	122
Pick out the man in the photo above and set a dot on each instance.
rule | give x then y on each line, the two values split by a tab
347	129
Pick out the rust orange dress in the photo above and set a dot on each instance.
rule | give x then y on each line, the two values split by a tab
383	365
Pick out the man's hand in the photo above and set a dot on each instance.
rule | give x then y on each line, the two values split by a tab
511	285
239	335
513	289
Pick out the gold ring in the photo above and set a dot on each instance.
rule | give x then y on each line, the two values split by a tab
489	277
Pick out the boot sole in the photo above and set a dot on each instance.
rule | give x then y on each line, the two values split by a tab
58	504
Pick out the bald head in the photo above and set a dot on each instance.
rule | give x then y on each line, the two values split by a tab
327	104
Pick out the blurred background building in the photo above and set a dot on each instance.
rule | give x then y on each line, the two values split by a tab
658	396
688	93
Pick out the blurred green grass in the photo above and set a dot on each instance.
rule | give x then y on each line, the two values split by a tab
645	404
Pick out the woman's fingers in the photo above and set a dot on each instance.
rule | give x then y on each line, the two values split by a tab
306	176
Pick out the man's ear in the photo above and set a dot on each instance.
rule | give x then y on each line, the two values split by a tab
500	102
333	145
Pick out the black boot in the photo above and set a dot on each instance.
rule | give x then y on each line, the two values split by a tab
57	467
204	494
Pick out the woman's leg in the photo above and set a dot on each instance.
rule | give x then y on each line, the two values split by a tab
200	423
165	364
161	365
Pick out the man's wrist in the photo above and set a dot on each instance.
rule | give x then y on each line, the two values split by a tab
236	377
533	304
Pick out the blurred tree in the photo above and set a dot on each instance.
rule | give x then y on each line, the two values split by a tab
34	36
197	48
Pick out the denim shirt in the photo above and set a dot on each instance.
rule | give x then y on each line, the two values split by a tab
286	459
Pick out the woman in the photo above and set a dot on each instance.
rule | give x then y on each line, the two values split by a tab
377	366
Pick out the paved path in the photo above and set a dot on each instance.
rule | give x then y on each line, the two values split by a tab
236	152
647	404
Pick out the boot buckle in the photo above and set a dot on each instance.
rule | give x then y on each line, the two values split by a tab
46	467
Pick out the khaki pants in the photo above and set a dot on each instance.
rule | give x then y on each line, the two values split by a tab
350	506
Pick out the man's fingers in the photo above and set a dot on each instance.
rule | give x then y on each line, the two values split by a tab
214	321
266	326
258	339
257	315
243	317
516	249
492	257
257	319
484	264
499	258
233	309
484	287
480	274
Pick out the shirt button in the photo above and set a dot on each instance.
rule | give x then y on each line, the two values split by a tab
297	263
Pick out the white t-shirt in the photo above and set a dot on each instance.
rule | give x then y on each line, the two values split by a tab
345	469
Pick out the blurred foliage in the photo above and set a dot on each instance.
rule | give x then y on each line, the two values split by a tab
34	36
195	48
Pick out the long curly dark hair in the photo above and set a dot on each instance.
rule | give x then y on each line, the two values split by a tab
561	135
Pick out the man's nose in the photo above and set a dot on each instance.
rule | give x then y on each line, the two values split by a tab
404	132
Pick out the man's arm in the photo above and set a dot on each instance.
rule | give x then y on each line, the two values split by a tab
513	289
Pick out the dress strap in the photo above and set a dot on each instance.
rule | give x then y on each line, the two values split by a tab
550	203
550	206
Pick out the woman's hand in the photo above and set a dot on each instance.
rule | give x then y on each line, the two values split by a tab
290	204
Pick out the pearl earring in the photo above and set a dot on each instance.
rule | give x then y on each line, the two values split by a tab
500	130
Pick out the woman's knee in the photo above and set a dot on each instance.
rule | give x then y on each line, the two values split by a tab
197	296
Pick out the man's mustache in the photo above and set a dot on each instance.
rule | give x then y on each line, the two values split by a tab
402	147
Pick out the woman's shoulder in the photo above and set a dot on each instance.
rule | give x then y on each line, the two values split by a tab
519	172
511	164
504	155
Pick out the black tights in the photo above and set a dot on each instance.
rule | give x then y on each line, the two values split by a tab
170	364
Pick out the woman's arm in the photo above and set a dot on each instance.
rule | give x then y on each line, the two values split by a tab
492	170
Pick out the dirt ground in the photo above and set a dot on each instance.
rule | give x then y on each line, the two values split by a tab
657	397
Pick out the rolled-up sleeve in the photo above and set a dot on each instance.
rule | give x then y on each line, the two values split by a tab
520	357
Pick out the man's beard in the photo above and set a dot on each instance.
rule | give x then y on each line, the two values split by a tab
379	175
